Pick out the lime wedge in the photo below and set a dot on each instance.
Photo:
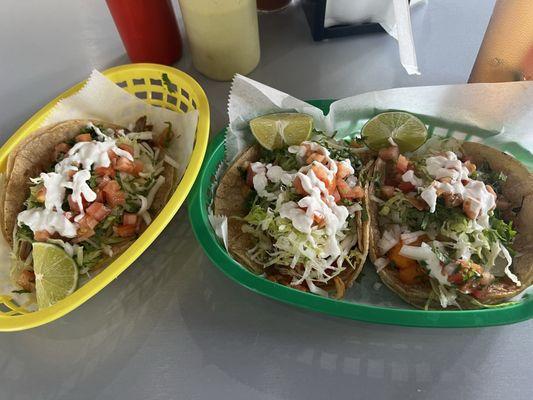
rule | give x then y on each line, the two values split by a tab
273	131
56	274
407	131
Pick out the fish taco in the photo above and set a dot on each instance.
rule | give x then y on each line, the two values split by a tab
89	188
451	224
296	213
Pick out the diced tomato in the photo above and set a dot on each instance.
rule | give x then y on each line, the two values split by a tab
126	147
387	191
40	195
138	167
336	196
389	153
103	180
41	236
406	187
84	137
125	165
125	230
470	166
402	163
401	261
479	294
60	150
410	272
315	157
88	221
114	196
350	193
456	279
100	198
74	205
318	219
298	186
342	171
321	173
98	211
112	157
105	171
331	186
129	219
129	167
84	232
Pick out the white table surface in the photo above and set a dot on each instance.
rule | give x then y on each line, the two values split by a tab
172	326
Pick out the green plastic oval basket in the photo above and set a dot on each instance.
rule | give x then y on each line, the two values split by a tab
371	301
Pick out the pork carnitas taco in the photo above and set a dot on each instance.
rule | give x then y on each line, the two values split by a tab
451	227
296	214
86	187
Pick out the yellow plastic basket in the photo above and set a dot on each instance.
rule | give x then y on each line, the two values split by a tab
144	81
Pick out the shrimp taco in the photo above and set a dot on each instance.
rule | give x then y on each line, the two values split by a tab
86	187
451	225
296	214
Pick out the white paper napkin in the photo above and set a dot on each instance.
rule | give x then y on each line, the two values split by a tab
393	15
102	99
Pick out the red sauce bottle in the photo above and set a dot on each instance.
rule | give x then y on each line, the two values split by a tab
148	29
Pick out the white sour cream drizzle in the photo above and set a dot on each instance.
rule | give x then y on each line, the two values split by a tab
410	177
425	253
86	155
480	200
318	202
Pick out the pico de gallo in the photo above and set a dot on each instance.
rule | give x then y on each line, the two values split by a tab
96	197
445	223
303	214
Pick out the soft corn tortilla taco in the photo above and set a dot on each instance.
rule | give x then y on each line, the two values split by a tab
129	191
479	277
254	220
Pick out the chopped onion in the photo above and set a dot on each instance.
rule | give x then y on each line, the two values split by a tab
410	237
389	239
315	289
141	135
426	254
376	199
108	251
144	204
146	217
150	198
381	263
36	180
171	161
148	149
79	255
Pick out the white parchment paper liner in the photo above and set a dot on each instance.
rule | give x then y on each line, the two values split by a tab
503	113
101	99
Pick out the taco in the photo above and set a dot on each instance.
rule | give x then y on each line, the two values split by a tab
451	225
296	215
89	187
